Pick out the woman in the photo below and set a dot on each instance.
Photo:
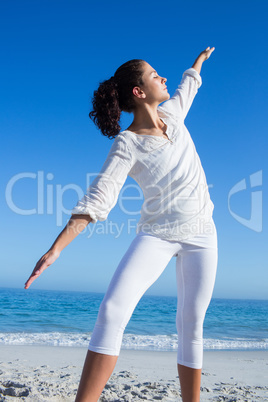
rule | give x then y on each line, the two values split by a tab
176	217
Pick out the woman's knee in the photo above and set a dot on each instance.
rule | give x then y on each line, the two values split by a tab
190	325
110	312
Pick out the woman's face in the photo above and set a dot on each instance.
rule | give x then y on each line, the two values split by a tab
154	89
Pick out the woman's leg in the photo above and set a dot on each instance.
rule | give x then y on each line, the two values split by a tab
196	270
96	372
190	380
139	268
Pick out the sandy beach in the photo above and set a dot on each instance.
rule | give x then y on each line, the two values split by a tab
34	373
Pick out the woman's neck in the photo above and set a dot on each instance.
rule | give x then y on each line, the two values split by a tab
146	120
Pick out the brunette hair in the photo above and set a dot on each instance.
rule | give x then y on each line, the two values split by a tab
114	96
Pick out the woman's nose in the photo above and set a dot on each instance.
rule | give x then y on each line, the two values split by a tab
164	79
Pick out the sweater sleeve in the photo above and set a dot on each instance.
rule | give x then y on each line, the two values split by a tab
179	104
102	194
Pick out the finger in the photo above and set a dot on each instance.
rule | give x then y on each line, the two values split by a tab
36	272
30	280
28	283
33	274
212	50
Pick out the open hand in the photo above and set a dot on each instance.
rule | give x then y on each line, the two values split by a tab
206	53
45	261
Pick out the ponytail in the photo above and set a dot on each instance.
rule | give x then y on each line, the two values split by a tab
106	112
114	96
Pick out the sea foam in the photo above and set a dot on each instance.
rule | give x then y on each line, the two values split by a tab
130	341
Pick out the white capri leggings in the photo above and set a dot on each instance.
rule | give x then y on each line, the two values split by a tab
143	262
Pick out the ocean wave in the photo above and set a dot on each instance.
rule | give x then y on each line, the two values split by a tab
130	341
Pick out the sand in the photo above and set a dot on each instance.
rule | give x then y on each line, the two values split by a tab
36	373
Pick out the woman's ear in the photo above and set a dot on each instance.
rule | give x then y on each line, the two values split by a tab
138	92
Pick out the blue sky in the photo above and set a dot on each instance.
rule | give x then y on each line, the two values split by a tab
54	54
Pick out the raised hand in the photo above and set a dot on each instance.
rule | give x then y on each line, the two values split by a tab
201	58
207	52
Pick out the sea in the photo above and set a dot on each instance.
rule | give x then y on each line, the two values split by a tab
65	318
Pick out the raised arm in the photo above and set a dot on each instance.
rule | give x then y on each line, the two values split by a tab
201	58
179	104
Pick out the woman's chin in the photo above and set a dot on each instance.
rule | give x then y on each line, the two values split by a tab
167	96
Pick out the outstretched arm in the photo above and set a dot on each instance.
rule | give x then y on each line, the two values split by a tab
201	58
179	104
96	204
75	225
